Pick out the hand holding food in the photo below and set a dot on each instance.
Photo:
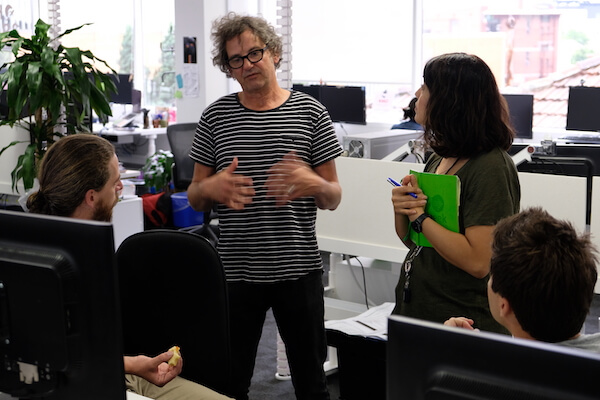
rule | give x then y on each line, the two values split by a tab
176	356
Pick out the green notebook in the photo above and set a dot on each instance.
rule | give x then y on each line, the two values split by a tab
443	199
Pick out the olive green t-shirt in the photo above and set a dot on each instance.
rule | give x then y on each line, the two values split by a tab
490	191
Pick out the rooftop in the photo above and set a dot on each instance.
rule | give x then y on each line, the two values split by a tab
551	94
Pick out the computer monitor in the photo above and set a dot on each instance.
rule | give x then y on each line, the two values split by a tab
344	103
427	360
4	109
124	94
583	110
60	322
520	107
136	101
313	90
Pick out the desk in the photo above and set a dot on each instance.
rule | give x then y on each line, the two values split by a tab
128	218
361	365
369	232
120	136
361	352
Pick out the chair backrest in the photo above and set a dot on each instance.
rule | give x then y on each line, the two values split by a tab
173	292
180	138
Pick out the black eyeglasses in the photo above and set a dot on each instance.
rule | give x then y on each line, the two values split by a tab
254	56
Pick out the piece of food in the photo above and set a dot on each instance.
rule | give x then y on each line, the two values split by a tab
176	356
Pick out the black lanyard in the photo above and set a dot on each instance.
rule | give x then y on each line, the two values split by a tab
407	268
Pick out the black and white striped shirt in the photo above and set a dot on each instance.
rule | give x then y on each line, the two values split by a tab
263	243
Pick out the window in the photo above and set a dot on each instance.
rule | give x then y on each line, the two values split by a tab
133	37
532	47
19	15
356	43
371	44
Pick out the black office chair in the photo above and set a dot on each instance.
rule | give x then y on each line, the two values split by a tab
173	292
180	138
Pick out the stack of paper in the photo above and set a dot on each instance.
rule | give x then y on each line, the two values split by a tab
372	323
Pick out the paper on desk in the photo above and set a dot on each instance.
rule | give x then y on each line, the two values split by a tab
372	323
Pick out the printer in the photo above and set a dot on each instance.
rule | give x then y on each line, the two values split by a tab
377	145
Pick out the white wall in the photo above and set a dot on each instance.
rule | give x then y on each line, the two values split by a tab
195	19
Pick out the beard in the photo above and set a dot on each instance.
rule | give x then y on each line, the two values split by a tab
103	211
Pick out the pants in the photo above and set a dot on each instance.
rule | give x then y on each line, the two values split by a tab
178	388
298	308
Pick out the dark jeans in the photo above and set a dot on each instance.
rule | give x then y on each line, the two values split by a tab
298	309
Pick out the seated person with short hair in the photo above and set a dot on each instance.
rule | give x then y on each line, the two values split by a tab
79	177
542	278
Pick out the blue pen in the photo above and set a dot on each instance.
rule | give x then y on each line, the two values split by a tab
394	183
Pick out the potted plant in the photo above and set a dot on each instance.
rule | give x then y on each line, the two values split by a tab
158	171
50	90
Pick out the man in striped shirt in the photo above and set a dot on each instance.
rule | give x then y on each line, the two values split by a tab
266	157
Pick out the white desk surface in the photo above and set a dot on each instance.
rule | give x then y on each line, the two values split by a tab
151	134
128	131
130	173
129	396
134	396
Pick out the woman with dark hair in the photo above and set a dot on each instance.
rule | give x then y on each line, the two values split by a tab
466	124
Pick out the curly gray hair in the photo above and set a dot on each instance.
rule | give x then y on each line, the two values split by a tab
233	25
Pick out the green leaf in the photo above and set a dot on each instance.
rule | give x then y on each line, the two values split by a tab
41	32
29	168
16	46
49	63
11	144
33	78
72	30
99	103
15	77
25	169
3	38
74	56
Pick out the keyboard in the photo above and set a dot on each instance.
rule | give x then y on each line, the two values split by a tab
125	121
583	139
